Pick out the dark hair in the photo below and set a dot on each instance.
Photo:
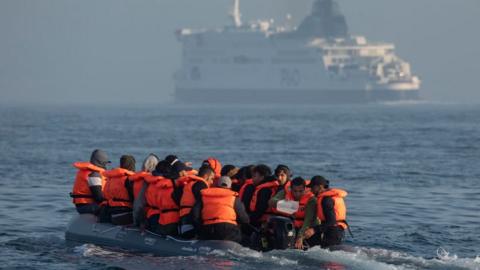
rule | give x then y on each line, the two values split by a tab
127	162
283	168
226	169
298	181
163	167
171	159
263	170
205	170
245	172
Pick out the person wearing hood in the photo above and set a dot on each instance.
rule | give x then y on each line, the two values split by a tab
118	193
87	193
137	186
218	213
332	213
266	187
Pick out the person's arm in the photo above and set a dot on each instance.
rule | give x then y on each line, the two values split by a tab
328	205
278	197
95	185
261	205
242	216
310	217
196	188
247	197
196	213
129	187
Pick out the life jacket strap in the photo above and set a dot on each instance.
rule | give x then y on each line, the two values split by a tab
169	210
80	196
348	227
121	200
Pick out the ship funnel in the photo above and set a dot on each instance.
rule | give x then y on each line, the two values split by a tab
235	14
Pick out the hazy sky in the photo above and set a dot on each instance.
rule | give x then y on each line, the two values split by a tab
119	51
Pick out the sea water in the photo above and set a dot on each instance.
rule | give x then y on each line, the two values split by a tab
412	172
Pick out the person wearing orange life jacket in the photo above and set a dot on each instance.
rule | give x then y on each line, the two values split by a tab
152	212
283	175
247	188
118	192
139	186
332	213
218	213
87	193
265	188
169	196
306	216
190	195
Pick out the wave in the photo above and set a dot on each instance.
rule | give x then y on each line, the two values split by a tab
314	258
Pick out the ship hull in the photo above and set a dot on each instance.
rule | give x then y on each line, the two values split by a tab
296	96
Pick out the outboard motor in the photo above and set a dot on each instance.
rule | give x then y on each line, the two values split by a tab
281	233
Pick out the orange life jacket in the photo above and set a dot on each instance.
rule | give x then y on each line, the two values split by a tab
169	210
138	180
218	206
115	191
151	193
340	209
188	200
300	214
81	193
273	186
247	183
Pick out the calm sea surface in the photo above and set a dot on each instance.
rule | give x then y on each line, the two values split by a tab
412	172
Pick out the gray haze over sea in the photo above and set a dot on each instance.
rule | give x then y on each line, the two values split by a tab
123	51
411	169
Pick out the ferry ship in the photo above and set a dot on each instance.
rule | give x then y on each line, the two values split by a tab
318	61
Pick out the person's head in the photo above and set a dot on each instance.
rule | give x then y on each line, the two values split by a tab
127	162
163	168
214	164
229	170
245	173
283	174
207	173
99	158
318	184
260	173
150	163
297	187
178	167
224	182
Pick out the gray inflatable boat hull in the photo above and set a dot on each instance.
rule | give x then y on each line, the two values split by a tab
84	229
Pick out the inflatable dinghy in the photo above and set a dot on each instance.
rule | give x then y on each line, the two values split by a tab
84	229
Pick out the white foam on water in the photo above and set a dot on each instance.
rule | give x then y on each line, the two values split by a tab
90	250
355	259
401	260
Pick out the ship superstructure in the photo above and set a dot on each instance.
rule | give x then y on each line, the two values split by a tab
316	62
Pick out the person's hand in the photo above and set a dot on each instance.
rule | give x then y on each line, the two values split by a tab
299	243
309	233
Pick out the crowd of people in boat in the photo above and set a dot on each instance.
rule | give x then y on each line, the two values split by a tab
215	202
